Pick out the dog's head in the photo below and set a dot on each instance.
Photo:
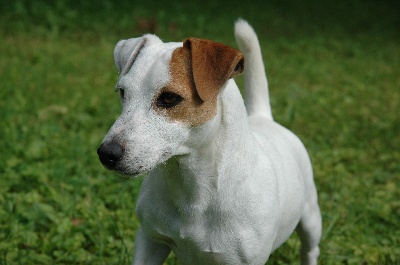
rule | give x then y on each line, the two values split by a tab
167	90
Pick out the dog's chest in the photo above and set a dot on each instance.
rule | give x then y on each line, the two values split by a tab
203	234
178	225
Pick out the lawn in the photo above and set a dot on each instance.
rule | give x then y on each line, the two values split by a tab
334	75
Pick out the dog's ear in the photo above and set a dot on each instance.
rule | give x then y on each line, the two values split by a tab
126	51
212	65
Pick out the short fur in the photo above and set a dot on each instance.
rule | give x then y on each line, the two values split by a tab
226	184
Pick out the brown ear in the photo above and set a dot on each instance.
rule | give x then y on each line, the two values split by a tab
212	65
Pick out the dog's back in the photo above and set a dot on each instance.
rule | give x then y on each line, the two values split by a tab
257	99
286	147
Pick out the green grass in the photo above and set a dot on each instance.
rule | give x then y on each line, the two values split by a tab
334	74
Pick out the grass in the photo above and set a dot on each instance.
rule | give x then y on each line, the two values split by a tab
334	77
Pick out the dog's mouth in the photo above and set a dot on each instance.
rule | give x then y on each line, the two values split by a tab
119	168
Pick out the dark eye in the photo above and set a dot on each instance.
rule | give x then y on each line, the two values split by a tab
168	100
122	93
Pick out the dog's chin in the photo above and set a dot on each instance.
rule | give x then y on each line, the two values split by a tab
131	175
130	172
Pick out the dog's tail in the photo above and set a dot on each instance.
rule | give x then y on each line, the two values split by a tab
255	80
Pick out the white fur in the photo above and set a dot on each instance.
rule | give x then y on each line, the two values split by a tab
257	96
229	191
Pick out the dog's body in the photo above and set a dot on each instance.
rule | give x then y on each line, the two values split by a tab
227	185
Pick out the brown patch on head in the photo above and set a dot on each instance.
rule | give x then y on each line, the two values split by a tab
198	70
192	110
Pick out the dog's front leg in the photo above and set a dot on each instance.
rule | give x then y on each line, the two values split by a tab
148	252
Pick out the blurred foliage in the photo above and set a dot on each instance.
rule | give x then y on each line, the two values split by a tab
280	17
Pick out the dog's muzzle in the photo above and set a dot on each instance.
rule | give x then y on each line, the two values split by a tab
110	153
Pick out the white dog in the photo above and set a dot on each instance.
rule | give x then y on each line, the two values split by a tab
226	184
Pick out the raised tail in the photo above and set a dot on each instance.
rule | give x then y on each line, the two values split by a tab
255	80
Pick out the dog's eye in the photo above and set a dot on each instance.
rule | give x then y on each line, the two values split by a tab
122	93
168	100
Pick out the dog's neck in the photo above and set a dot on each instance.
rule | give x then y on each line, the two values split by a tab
195	178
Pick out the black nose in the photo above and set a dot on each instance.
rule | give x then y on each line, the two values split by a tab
110	153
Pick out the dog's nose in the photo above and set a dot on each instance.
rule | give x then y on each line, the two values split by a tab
110	153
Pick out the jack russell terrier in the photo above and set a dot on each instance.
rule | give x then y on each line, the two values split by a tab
226	184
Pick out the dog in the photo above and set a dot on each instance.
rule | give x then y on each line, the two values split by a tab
225	184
